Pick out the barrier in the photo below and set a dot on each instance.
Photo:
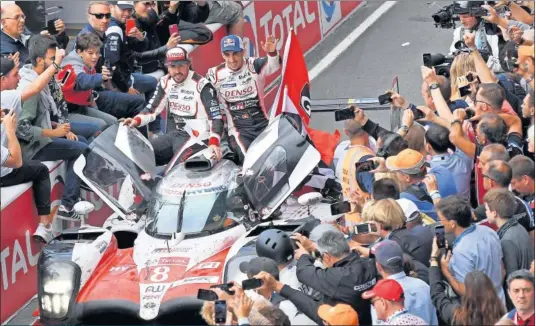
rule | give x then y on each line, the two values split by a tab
311	20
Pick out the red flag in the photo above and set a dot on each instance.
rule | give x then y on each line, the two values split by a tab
294	97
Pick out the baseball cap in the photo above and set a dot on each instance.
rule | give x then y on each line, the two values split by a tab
123	4
231	43
340	314
6	65
388	253
411	211
177	56
387	289
260	264
408	161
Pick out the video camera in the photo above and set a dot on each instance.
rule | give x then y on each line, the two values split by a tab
447	16
441	63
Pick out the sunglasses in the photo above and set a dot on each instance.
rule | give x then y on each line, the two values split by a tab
101	16
17	17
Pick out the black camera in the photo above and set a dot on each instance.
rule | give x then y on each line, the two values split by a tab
441	63
445	17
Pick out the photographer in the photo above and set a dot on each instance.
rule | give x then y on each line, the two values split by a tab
472	23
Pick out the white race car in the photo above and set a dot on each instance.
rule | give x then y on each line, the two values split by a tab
190	231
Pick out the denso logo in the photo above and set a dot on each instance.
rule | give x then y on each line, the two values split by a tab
238	92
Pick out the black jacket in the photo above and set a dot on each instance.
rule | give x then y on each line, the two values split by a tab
419	247
344	282
445	306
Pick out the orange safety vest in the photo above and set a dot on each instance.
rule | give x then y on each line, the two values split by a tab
349	181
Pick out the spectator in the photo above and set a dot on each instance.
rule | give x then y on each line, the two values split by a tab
344	279
475	247
516	243
187	11
415	220
42	50
523	179
387	298
462	65
480	304
83	87
12	38
410	168
498	174
42	142
340	314
521	291
530	140
415	136
227	13
15	171
385	188
99	17
391	143
390	265
437	145
150	24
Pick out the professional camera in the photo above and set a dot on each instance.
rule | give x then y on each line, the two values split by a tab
441	63
447	16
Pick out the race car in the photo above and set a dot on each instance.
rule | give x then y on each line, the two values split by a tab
171	237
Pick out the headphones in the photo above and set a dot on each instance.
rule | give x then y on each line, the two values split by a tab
384	150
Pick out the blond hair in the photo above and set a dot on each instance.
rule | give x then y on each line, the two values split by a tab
92	3
387	213
463	64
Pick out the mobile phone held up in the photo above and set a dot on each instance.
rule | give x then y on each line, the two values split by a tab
225	287
385	98
252	283
440	236
344	114
366	166
340	208
220	311
174	28
130	24
417	114
206	295
365	228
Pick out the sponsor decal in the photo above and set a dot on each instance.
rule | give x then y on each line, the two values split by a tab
183	261
197	280
155	288
330	15
120	269
188	98
239	93
187	91
173	97
250	32
209	265
363	287
230	85
101	246
305	99
149	305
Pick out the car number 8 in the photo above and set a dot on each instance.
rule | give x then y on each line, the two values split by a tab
160	274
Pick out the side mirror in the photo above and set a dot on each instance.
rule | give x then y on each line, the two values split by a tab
311	198
83	208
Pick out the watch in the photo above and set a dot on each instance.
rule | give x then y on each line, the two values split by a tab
405	128
434	86
56	66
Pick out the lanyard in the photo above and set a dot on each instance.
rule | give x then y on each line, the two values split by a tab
464	233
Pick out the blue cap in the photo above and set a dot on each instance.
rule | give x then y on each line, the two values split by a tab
231	43
388	253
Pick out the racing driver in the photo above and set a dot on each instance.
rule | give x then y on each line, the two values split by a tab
192	102
240	85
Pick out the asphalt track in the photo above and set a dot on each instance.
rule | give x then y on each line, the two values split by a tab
368	66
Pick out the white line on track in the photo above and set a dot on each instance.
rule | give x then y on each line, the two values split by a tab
349	40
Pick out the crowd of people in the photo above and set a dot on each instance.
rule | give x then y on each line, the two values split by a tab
441	224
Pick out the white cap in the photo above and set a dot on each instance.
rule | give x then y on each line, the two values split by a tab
411	211
125	4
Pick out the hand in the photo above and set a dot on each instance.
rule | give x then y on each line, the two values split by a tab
493	17
431	183
16	58
135	32
60	54
459	114
307	244
217	152
357	247
60	26
130	122
429	75
106	74
270	46
300	251
382	168
516	34
242	306
445	261
408	118
435	248
9	121
173	6
429	115
71	136
270	282
469	40
359	116
173	41
62	130
133	91
399	101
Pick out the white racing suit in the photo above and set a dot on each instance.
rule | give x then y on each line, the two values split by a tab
194	107
241	94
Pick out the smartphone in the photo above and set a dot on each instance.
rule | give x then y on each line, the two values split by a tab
417	114
174	28
440	235
108	65
225	287
131	23
365	166
365	228
340	208
469	113
51	27
465	90
220	311
385	98
344	114
206	295
251	284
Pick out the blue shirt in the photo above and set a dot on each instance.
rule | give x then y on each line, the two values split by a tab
417	300
446	188
461	167
478	248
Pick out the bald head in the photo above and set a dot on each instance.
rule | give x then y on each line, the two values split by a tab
353	128
13	20
499	172
494	152
492	128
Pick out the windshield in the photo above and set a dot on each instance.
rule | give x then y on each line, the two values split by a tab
192	212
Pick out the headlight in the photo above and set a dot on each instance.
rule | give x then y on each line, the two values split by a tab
58	285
